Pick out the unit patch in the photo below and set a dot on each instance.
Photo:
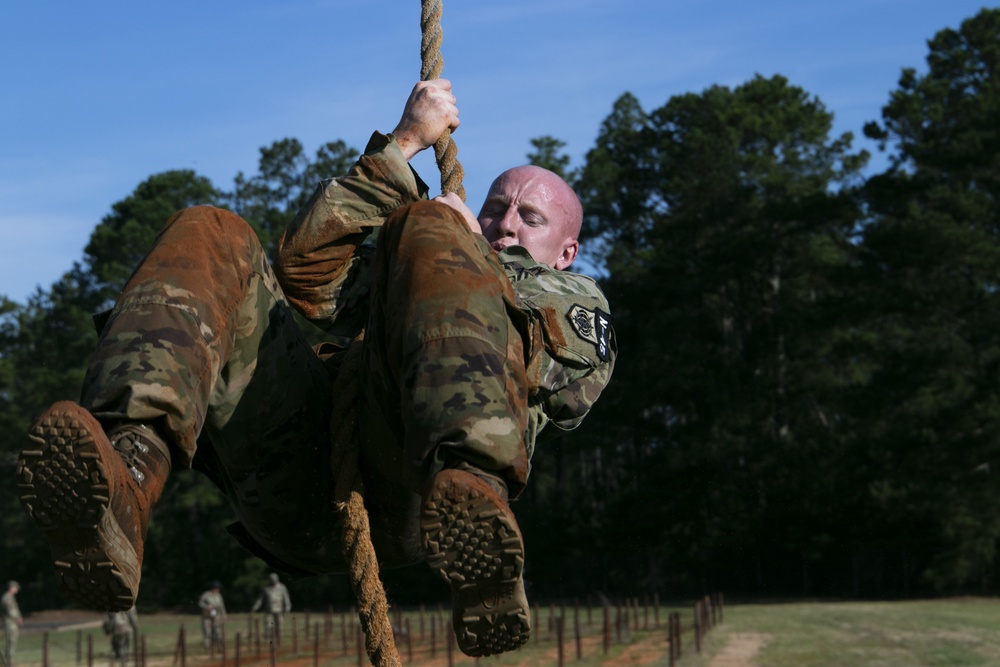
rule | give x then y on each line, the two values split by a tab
592	325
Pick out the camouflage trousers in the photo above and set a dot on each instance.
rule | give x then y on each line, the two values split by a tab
202	343
10	633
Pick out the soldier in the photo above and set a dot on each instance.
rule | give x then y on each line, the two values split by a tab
275	602
477	342
12	621
122	626
213	615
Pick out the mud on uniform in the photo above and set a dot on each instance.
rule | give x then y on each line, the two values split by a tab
468	355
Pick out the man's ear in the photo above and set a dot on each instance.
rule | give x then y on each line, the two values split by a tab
570	249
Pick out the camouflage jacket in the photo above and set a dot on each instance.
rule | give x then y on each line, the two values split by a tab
325	262
273	599
9	608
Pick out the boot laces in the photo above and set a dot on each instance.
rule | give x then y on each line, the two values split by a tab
130	445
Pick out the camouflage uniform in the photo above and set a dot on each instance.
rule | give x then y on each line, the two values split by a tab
274	602
468	356
213	616
121	625
11	623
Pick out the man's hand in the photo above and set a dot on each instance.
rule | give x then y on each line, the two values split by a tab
430	110
454	201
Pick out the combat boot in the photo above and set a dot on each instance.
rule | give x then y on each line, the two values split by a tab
472	541
92	494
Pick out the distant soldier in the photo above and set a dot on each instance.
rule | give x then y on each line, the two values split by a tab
275	603
121	625
213	614
12	621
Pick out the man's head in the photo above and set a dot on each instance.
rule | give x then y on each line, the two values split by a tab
13	586
215	585
273	577
533	207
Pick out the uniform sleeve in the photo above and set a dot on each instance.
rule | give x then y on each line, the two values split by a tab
324	257
573	346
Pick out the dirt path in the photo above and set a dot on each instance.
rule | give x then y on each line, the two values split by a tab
740	651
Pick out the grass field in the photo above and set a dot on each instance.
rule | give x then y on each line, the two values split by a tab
954	632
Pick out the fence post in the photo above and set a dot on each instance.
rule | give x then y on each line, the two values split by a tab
90	651
409	641
45	649
559	640
579	641
361	648
315	645
697	626
236	651
607	629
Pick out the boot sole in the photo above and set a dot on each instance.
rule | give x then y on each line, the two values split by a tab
64	489
476	547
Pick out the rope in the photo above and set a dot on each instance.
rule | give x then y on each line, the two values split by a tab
373	609
432	64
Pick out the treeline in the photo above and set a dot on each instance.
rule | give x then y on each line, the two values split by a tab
806	399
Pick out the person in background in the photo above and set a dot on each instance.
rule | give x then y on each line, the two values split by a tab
275	602
12	621
213	614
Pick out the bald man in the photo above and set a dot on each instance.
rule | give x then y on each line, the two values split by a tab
476	342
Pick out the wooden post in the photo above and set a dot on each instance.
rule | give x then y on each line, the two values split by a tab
451	647
360	650
343	632
307	625
79	646
697	626
45	649
433	635
559	640
272	651
295	636
256	632
90	651
143	654
656	611
236	651
183	640
315	645
421	621
671	642
223	638
409	642
576	635
607	630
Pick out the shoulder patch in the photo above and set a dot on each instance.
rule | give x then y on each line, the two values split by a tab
593	326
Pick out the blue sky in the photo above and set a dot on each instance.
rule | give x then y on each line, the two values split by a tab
97	96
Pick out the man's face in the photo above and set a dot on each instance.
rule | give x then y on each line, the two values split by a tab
534	208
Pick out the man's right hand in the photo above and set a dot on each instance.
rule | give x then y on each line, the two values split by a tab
430	110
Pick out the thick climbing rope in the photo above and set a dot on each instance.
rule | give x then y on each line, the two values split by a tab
432	64
358	552
362	565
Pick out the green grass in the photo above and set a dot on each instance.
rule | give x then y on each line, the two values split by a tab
952	633
938	633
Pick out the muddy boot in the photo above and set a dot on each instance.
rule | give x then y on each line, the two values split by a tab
471	540
93	495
